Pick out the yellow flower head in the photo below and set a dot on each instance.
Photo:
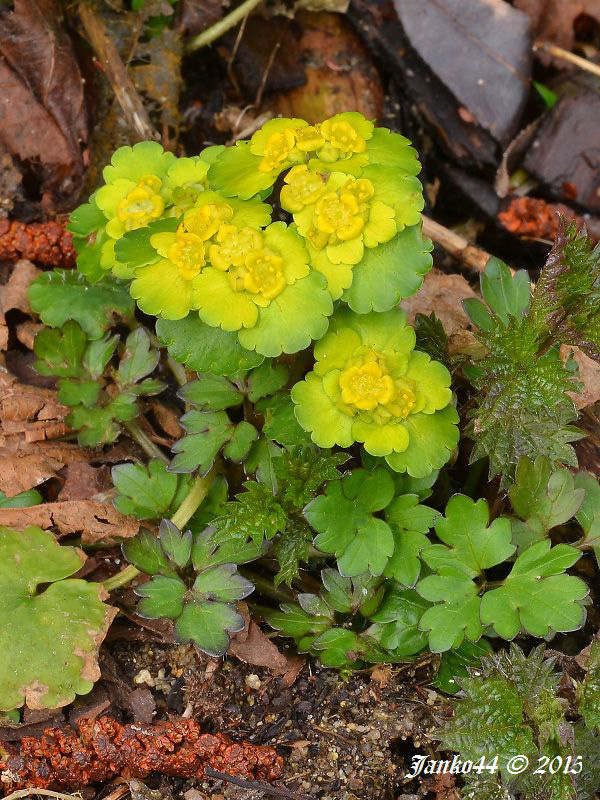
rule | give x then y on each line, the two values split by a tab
187	253
206	220
277	149
262	274
142	204
302	188
366	385
309	138
341	135
234	244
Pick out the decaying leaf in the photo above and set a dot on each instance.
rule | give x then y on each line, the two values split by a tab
43	117
94	521
554	21
21	471
13	295
28	413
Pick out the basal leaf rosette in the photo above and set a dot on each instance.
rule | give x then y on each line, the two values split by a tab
260	284
215	226
341	217
369	385
252	166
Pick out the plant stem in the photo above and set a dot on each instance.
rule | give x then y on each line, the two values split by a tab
178	371
197	493
144	441
222	26
265	587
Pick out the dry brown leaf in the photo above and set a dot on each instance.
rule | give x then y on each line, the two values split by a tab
554	20
29	413
258	650
167	418
82	482
27	331
43	115
22	471
94	521
13	295
589	376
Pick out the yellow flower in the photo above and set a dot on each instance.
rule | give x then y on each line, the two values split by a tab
309	138
277	149
302	188
343	137
142	204
206	220
262	274
234	244
338	214
187	253
366	385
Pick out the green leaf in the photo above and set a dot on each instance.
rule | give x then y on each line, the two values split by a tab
457	614
222	583
268	378
397	621
588	515
431	337
211	393
134	248
177	546
293	621
63	295
74	393
147	492
280	421
60	352
254	514
22	500
138	360
208	625
302	471
261	461
390	272
506	294
86	219
543	498
100	425
203	348
238	447
337	648
410	522
145	552
206	552
455	664
97	355
472	546
292	547
161	597
346	527
339	591
537	597
206	433
51	626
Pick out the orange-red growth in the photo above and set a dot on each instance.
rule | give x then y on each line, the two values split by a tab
46	243
101	749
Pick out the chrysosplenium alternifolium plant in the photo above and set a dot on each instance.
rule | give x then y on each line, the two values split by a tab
314	428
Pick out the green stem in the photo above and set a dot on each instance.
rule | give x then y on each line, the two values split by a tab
266	588
144	441
178	371
197	493
222	26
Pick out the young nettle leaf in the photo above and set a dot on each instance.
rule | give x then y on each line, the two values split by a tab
542	498
302	471
537	596
51	625
431	337
255	514
266	379
211	393
344	519
292	547
410	522
22	500
63	295
149	492
203	348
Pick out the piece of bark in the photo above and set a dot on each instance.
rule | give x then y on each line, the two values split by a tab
94	521
565	154
13	295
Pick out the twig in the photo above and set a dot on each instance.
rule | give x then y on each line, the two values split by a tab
45	792
459	247
267	788
566	55
119	79
222	26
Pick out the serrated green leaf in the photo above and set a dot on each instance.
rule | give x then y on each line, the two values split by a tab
339	590
455	664
161	597
206	433
293	621
302	471
203	348
292	547
280	421
397	621
536	596
431	337
457	615
145	552
268	378
223	583
211	393
176	545
254	514
138	360
147	492
206	552
238	447
208	625
338	648
261	460
100	425
74	393
22	500
60	352
97	355
63	295
315	605
588	692
51	625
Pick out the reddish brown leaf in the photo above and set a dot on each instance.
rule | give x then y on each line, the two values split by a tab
94	521
13	295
